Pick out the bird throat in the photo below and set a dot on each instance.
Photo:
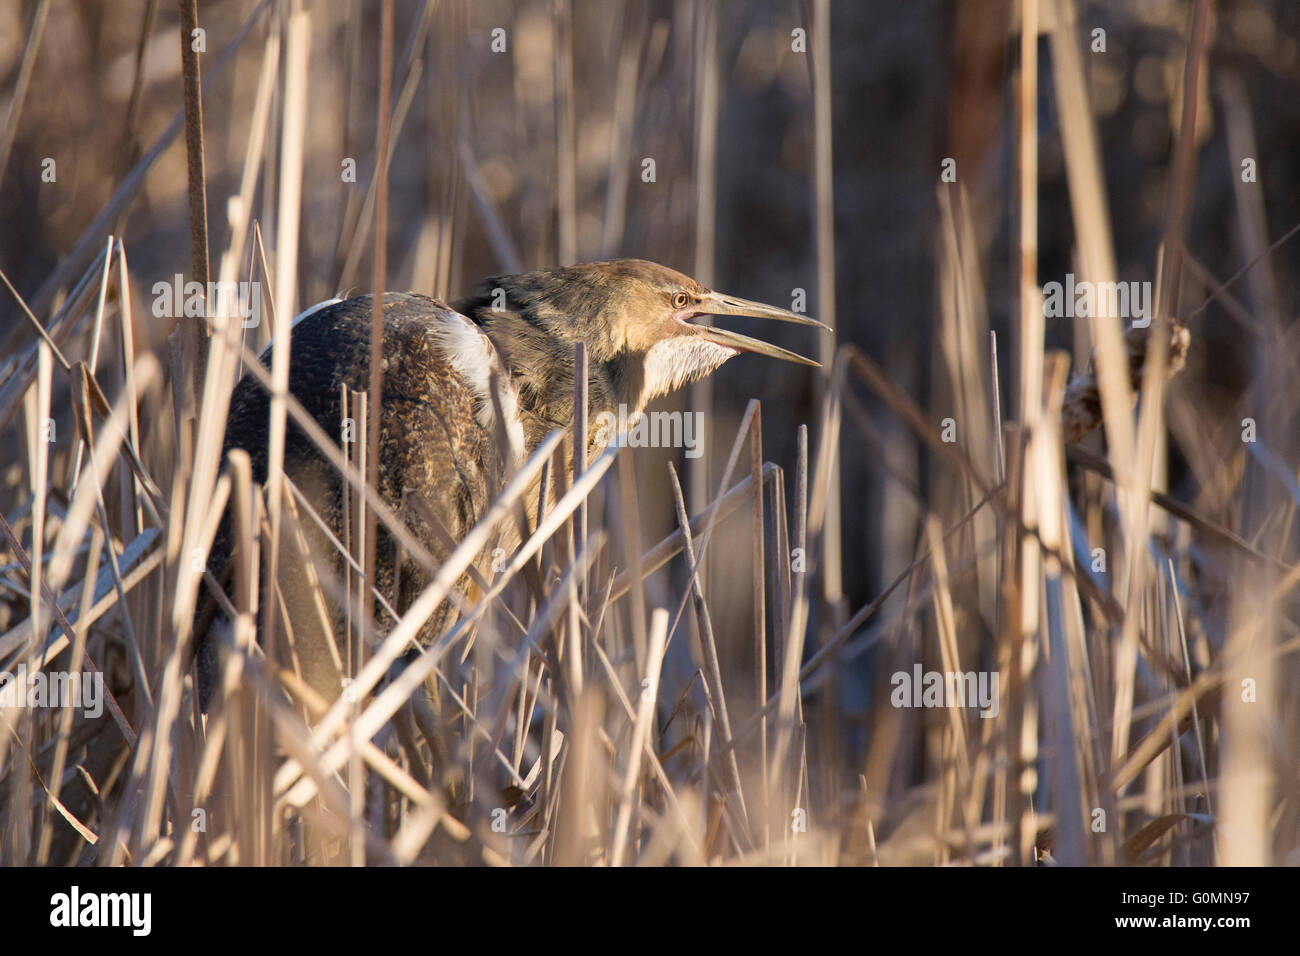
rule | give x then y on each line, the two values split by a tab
536	348
618	390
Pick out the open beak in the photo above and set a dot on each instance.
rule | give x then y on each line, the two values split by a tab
715	303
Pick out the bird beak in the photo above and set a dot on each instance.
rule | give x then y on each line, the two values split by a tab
715	303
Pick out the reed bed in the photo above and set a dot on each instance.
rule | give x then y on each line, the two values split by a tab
671	669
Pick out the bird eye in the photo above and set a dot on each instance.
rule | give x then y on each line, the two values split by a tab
680	300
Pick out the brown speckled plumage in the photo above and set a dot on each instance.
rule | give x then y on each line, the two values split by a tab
438	435
430	442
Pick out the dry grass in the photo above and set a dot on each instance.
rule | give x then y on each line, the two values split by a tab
618	695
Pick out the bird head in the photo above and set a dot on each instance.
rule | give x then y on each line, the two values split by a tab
639	318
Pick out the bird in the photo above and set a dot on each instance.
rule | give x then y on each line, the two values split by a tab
444	436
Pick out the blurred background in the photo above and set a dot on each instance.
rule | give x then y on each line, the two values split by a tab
532	157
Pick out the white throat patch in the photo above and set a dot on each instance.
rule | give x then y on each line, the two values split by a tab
674	362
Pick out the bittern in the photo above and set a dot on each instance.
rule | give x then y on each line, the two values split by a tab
440	439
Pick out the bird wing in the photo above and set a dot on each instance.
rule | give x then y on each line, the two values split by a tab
438	441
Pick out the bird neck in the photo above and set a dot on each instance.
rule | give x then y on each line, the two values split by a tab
540	366
535	342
